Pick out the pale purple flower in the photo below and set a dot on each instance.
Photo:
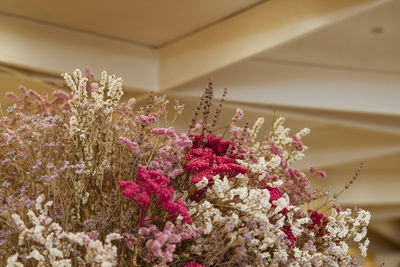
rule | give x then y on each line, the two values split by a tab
5	161
11	109
37	165
175	173
50	165
94	235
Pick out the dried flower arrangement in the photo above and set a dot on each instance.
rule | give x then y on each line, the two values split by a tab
88	181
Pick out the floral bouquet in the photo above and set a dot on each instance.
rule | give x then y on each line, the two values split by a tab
88	181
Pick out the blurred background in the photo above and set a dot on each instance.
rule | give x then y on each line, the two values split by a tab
329	65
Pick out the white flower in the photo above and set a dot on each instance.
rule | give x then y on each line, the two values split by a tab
274	162
12	261
363	247
256	127
203	183
36	256
52	237
241	192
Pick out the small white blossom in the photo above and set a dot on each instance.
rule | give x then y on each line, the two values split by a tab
203	183
12	261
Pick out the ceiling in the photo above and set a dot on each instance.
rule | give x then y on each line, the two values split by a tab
366	43
151	23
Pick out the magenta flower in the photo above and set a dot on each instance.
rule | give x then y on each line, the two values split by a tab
292	239
192	264
154	183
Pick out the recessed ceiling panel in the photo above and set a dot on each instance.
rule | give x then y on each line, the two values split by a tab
151	22
369	41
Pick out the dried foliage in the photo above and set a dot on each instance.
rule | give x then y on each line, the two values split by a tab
88	181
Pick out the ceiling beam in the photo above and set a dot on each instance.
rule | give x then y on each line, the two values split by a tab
323	159
384	123
287	85
43	48
376	188
247	34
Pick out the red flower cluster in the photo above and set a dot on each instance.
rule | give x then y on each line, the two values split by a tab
218	146
210	160
319	221
274	193
289	234
154	183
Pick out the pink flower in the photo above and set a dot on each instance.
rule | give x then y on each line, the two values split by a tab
146	120
170	132
60	94
162	238
129	244
238	115
133	146
298	144
276	150
168	253
155	247
35	94
322	174
94	87
131	103
12	95
163	243
283	163
192	264
337	207
183	141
